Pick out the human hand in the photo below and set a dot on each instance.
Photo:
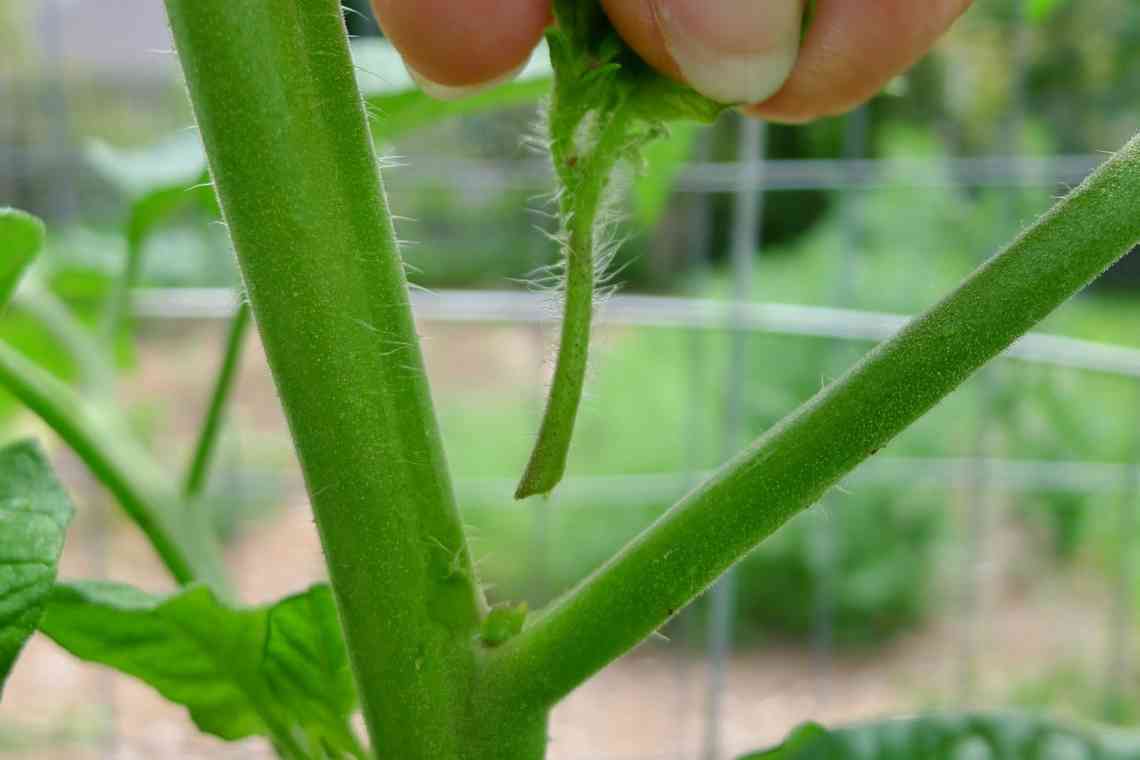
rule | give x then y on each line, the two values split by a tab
735	51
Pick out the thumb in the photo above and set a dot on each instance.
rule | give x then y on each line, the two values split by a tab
734	51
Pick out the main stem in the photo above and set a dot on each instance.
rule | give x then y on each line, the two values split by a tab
284	126
792	465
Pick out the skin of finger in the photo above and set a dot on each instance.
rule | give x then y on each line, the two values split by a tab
636	22
853	48
460	43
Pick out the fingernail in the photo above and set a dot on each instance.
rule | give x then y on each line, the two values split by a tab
733	51
451	92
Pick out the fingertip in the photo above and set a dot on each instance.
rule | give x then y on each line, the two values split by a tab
852	50
733	51
457	44
636	22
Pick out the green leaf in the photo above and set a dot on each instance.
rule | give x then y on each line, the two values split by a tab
21	238
177	161
1040	11
397	105
161	180
116	459
279	671
807	741
172	174
658	99
34	513
664	161
503	622
396	114
998	736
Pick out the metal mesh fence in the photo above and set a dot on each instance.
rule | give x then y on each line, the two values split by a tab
689	680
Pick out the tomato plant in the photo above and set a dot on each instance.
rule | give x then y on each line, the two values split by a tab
402	629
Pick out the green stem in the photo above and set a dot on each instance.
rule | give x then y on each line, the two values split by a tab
584	179
792	465
116	320
223	387
185	545
96	373
145	215
273	89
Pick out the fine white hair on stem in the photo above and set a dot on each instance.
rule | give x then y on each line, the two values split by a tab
537	138
354	11
388	161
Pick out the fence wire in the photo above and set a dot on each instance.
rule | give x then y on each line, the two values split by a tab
990	478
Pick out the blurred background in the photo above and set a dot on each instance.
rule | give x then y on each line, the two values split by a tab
987	558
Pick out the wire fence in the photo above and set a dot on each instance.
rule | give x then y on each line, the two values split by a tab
989	479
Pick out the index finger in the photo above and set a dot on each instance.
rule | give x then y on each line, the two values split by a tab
463	43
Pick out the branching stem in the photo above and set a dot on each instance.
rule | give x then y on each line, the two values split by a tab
792	465
585	179
606	105
184	543
196	474
96	372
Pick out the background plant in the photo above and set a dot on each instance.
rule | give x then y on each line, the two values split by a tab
267	711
